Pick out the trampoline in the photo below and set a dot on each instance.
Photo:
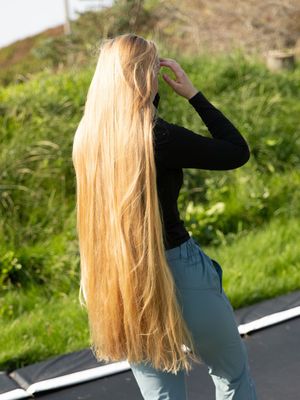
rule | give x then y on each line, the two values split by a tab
270	330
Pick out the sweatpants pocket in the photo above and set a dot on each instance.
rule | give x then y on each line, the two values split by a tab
219	271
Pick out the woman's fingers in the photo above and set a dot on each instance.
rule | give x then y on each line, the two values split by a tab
182	85
174	67
176	81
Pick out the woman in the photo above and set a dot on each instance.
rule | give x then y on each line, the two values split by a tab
153	297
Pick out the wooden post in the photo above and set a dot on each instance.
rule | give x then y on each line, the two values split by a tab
281	59
67	26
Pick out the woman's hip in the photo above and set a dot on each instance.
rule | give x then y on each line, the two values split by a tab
192	268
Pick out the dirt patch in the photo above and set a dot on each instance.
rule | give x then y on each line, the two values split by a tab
220	25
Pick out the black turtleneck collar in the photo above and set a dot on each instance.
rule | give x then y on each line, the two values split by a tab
156	100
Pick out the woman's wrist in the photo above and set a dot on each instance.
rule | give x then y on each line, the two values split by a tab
192	94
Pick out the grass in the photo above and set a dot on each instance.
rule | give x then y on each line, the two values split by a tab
42	327
261	264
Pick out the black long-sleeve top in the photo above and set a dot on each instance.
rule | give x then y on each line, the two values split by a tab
177	147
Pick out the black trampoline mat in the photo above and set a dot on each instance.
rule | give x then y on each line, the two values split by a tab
274	358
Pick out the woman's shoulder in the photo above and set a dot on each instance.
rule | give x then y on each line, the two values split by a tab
162	131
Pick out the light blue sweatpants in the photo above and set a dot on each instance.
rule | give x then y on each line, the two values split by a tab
210	318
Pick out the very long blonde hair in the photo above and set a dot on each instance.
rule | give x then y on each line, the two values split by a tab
126	283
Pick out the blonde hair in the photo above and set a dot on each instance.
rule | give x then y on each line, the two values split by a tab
126	283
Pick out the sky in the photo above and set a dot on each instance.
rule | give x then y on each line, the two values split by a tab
22	18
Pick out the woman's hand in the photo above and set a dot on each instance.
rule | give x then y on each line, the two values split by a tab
182	85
